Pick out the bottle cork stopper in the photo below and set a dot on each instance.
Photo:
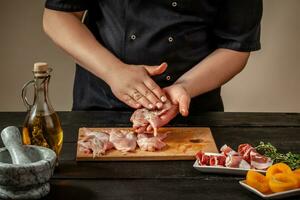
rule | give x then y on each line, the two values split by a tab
40	67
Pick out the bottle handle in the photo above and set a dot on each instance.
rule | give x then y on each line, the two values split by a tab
24	92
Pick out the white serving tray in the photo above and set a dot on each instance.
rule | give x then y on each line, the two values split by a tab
277	195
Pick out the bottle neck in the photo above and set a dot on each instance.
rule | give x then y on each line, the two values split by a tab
42	102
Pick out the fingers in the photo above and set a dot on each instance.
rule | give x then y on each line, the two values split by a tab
141	99
130	102
154	88
152	70
156	70
184	103
150	96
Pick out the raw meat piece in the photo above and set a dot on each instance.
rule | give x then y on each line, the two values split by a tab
202	158
245	150
217	160
85	147
210	160
247	157
256	160
226	150
143	117
123	140
94	142
259	161
236	161
149	142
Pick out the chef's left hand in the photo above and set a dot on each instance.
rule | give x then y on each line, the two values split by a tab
180	100
179	96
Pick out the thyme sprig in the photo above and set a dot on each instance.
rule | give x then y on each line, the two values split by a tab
291	159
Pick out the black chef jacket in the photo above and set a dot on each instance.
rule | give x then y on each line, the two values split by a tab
179	32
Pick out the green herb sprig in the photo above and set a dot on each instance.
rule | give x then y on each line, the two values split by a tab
291	159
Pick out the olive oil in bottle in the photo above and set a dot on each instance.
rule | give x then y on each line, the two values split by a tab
41	126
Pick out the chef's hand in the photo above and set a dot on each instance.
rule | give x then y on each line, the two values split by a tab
180	100
167	117
179	96
133	85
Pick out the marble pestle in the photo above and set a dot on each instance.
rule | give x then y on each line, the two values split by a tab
11	138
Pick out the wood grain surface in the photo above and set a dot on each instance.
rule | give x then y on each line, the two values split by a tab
168	180
182	144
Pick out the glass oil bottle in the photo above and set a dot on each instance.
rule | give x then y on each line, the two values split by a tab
41	126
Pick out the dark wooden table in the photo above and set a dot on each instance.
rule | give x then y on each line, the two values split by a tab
161	179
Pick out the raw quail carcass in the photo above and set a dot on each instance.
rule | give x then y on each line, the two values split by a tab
123	140
149	142
141	118
94	142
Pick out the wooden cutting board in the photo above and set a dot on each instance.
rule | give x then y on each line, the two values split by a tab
182	144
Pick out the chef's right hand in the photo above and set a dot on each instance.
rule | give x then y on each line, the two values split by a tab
133	85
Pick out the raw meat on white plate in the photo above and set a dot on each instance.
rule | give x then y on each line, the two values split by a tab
233	158
245	158
236	161
94	142
226	150
123	140
247	154
210	160
255	159
245	150
203	159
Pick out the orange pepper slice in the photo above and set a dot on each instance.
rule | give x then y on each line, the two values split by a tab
278	169
297	175
282	182
257	181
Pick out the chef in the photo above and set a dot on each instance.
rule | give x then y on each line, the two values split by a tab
135	53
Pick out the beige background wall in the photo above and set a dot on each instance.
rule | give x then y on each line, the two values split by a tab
270	82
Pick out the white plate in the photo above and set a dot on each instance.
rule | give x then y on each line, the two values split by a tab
277	195
220	169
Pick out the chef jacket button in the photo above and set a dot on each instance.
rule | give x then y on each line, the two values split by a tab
168	78
133	37
174	4
170	39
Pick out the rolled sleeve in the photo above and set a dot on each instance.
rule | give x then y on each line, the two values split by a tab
237	25
68	5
